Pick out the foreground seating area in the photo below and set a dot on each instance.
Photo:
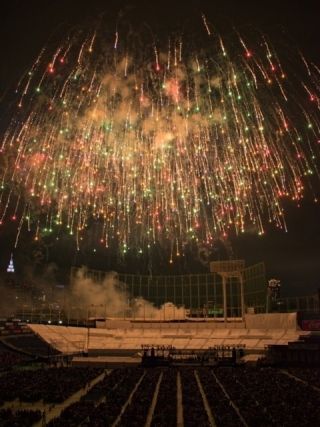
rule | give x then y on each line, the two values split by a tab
102	403
73	415
9	358
219	402
269	397
193	408
114	399
51	385
21	418
166	396
136	412
310	375
165	412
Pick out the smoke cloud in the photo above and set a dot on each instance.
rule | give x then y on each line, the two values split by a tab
110	298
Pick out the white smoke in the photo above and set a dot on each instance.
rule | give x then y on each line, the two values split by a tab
100	297
110	298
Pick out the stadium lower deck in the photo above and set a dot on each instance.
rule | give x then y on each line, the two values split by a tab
255	332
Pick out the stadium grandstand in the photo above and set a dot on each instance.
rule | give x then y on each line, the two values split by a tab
178	350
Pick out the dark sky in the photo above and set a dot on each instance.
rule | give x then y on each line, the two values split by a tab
26	26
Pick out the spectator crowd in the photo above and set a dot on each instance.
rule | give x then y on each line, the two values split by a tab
234	396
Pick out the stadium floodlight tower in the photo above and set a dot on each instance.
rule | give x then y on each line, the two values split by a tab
228	270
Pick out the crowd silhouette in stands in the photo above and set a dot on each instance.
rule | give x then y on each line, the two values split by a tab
236	396
10	358
23	418
165	412
52	385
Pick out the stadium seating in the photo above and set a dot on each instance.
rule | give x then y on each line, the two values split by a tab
165	396
129	336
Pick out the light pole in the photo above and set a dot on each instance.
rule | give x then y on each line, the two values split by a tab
274	286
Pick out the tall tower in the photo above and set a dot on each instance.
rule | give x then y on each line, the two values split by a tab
10	268
229	270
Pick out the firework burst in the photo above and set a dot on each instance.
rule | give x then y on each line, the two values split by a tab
166	145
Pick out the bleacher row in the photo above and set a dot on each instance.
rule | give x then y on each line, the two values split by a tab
73	339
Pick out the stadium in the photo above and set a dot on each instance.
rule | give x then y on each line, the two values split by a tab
174	350
159	214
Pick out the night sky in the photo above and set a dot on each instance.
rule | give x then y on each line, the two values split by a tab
26	26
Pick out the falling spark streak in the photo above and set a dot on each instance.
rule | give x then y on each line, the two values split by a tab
206	24
116	40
